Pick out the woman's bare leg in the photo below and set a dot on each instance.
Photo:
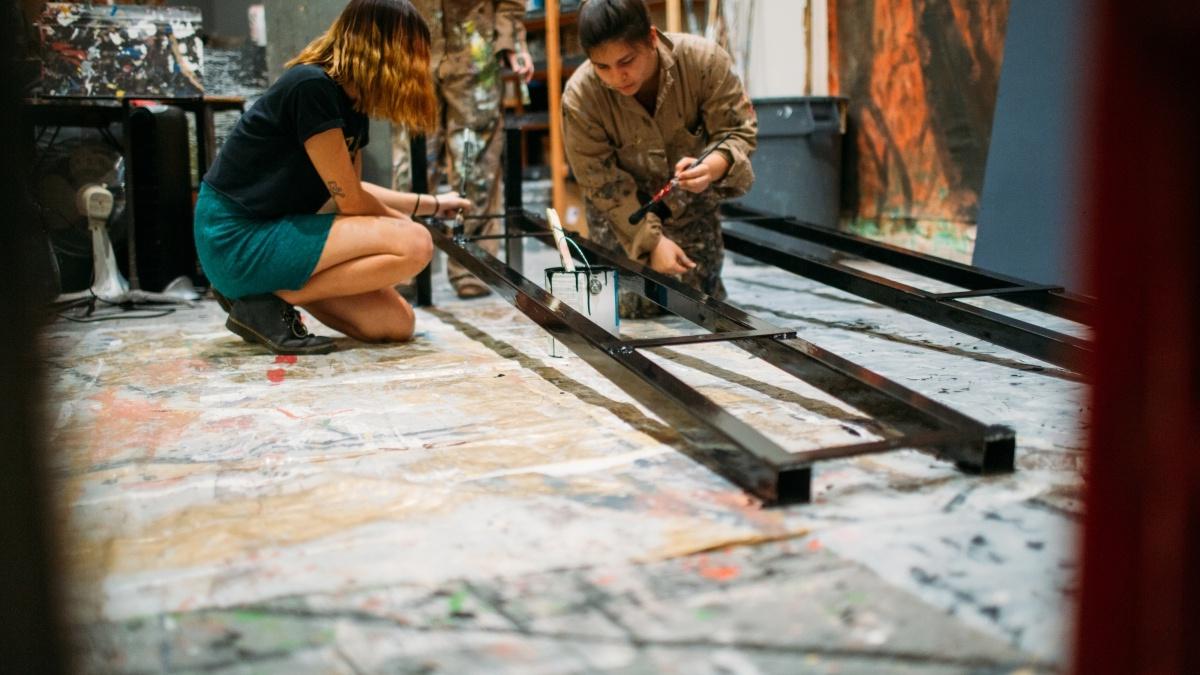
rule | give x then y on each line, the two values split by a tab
362	254
360	275
352	289
376	316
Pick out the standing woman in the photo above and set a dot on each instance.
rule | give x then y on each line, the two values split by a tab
266	233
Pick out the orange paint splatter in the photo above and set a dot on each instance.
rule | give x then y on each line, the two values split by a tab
814	545
719	572
276	375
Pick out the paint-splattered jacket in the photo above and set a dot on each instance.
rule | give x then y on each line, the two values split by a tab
616	149
467	35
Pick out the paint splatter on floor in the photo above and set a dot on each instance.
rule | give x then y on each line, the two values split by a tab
465	502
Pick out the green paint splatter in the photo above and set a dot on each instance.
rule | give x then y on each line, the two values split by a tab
248	615
704	613
456	602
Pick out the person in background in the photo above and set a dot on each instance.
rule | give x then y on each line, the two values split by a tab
283	217
638	113
471	41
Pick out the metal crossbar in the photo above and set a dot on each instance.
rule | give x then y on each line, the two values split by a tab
675	340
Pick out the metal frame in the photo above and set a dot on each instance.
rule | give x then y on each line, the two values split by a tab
716	438
942	308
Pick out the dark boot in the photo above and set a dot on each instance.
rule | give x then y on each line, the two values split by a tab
221	300
271	322
225	304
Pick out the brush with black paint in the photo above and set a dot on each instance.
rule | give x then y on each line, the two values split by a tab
637	216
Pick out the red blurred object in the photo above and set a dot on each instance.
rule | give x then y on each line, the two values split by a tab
1140	600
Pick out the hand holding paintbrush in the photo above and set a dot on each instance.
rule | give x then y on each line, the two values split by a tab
682	173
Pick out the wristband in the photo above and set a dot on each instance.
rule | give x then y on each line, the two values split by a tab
437	205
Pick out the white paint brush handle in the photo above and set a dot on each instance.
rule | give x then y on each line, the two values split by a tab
560	240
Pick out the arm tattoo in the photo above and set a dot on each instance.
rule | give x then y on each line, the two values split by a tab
335	189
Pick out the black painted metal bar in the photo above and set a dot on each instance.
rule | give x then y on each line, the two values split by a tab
986	292
420	183
1021	336
513	195
1071	306
973	445
482	216
527	235
678	340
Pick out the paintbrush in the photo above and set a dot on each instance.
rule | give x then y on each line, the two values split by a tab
638	215
459	225
560	240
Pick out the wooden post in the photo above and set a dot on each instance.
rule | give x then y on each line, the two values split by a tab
558	165
808	49
674	16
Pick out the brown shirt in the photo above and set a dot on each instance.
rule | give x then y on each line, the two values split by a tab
616	147
452	23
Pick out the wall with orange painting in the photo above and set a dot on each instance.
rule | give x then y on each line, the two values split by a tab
921	77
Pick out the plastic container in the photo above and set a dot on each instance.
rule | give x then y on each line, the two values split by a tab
798	163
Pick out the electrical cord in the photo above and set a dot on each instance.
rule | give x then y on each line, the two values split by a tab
125	307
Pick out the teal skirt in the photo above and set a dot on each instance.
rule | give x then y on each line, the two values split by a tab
245	255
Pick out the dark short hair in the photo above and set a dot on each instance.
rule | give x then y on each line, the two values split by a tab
603	21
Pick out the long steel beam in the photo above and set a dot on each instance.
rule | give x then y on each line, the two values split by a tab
941	308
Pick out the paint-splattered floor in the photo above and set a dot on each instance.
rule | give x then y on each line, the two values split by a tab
465	503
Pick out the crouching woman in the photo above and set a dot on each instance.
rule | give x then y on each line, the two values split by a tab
283	218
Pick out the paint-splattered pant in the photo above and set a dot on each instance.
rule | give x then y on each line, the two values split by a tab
699	235
464	151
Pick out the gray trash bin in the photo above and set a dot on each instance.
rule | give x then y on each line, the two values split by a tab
798	164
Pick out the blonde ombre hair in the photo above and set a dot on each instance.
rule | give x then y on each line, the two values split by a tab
379	51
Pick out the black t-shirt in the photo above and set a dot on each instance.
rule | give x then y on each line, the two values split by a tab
263	166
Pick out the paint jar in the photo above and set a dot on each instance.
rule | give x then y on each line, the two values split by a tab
591	291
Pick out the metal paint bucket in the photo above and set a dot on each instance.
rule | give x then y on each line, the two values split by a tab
591	291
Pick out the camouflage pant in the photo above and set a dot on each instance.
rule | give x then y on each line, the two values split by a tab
699	235
465	150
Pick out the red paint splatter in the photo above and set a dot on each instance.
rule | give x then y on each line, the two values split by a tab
289	359
276	375
814	544
719	572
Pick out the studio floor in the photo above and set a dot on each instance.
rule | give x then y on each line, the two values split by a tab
467	503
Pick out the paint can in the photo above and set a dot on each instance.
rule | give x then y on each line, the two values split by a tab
591	291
